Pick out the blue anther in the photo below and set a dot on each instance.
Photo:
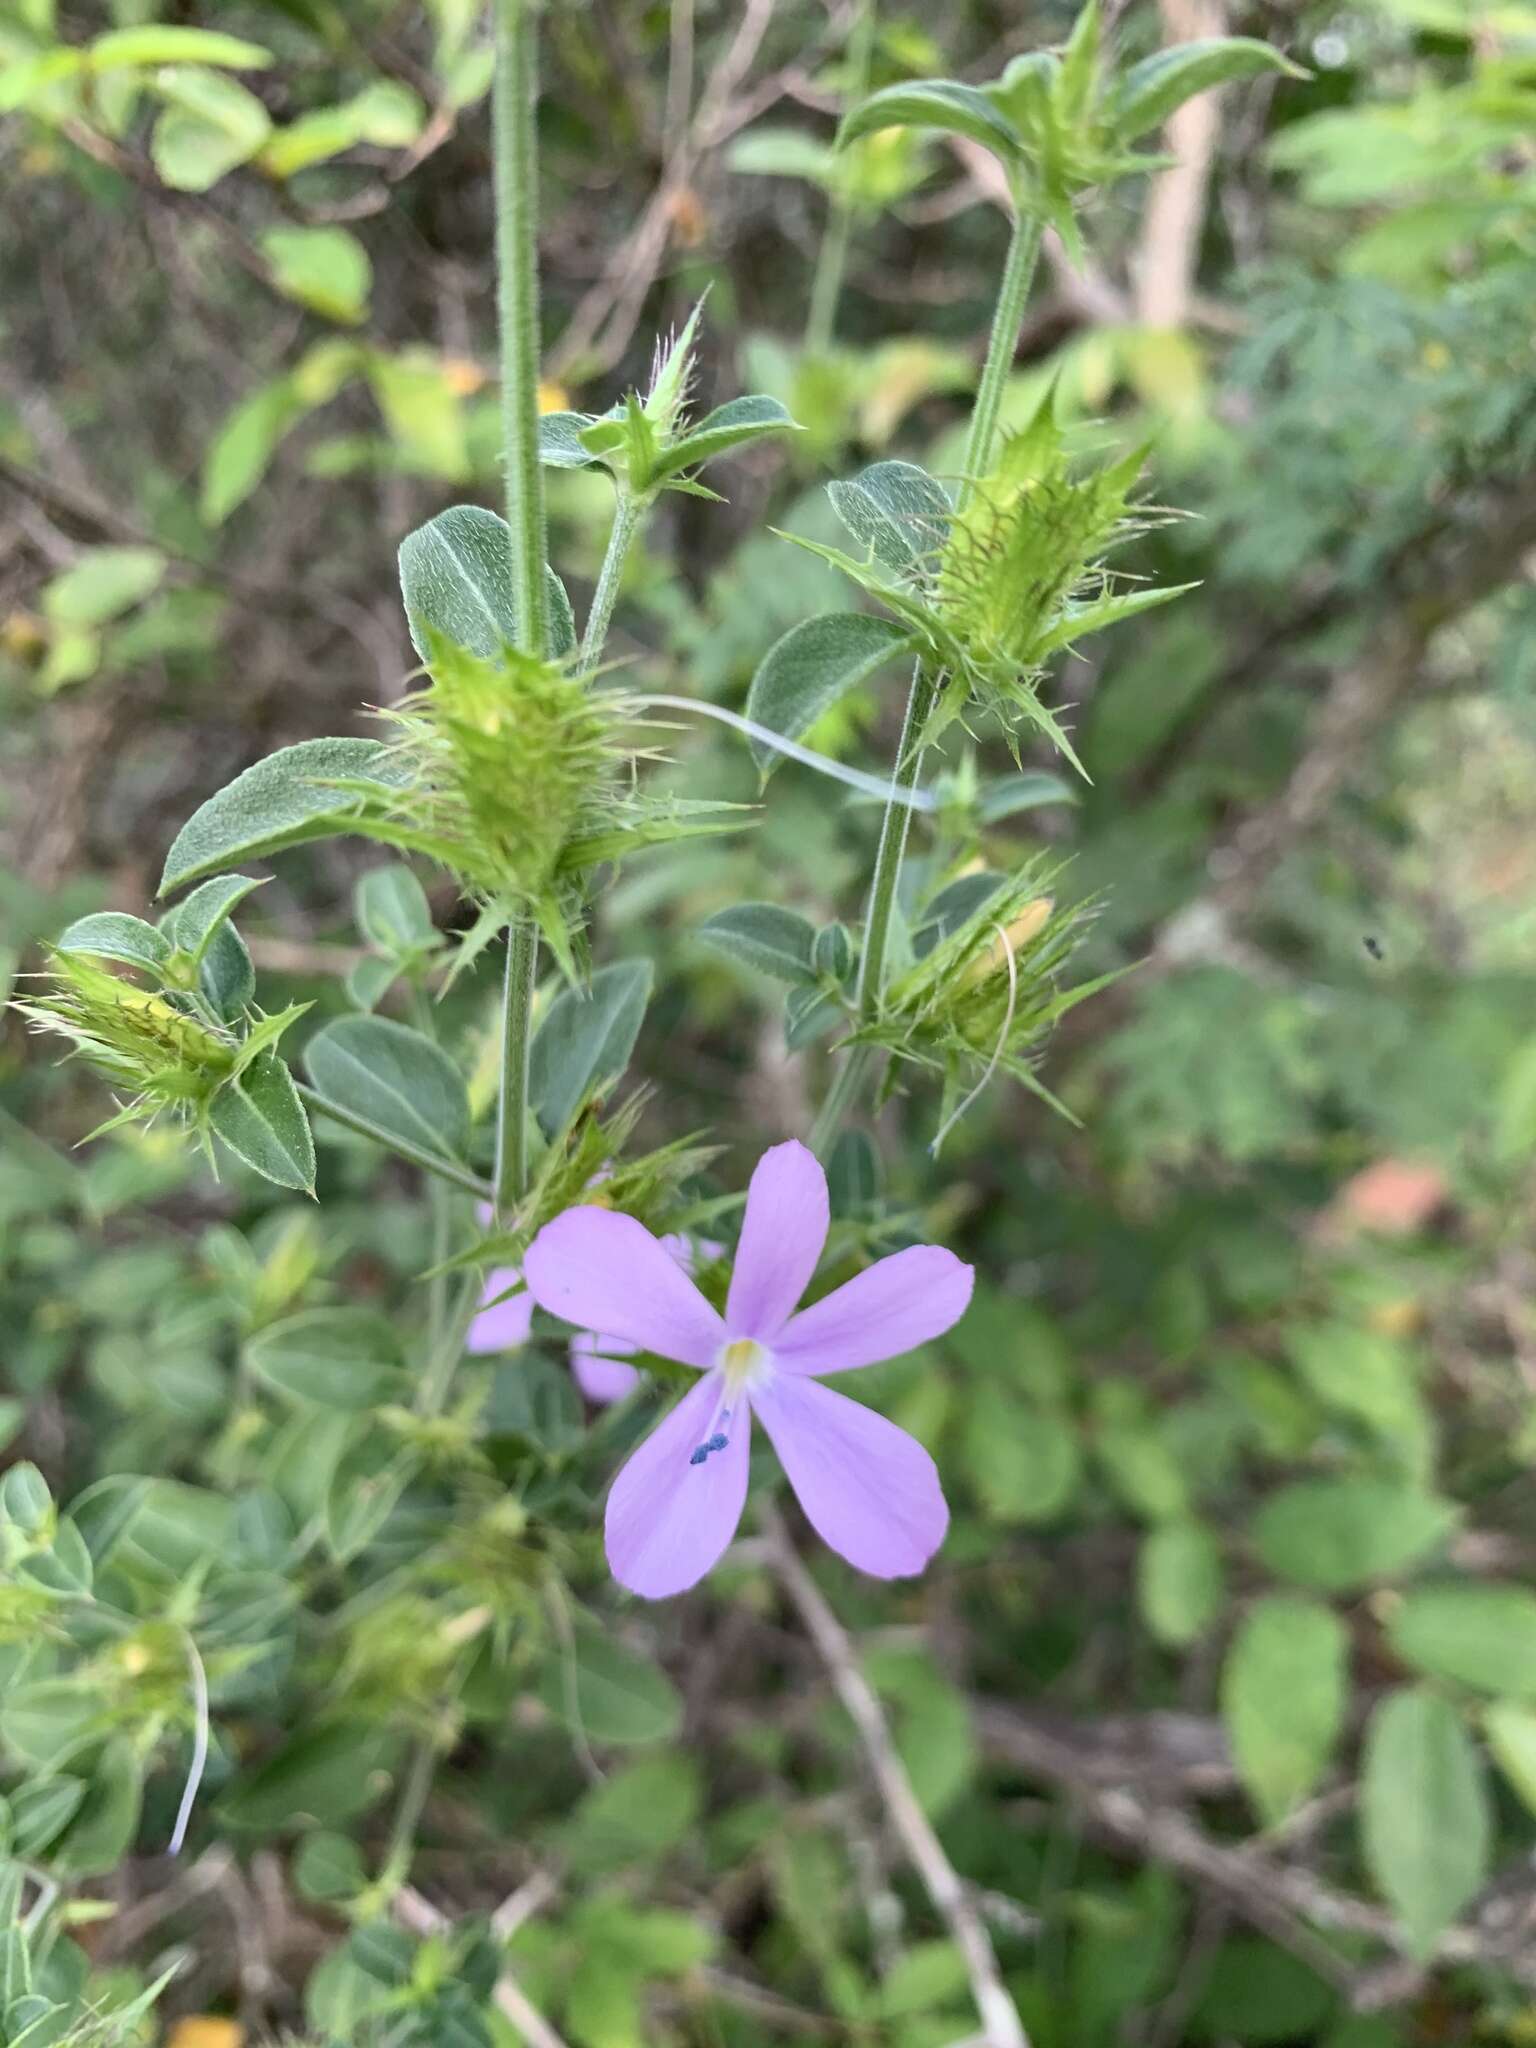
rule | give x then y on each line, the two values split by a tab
700	1455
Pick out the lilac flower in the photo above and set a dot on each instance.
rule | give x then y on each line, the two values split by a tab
500	1325
598	1362
868	1489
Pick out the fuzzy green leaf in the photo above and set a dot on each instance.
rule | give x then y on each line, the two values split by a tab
1014	793
560	442
346	1358
227	978
764	937
897	512
812	668
1283	1692
727	427
193	926
584	1042
396	1078
456	579
1154	88
281	801
114	935
259	1116
939	103
392	911
1424	1820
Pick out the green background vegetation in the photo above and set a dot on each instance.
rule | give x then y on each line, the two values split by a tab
1222	1694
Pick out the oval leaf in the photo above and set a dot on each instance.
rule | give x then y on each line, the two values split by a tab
1337	1534
260	1118
1283	1692
1482	1635
114	935
815	665
939	103
164	43
1423	1813
396	1078
1153	89
1179	1581
762	936
896	512
727	427
456	578
607	1693
560	442
345	1358
192	926
585	1041
281	801
392	911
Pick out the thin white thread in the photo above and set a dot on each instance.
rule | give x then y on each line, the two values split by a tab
997	1051
199	1747
855	778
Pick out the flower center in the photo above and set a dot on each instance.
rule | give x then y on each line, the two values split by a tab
743	1363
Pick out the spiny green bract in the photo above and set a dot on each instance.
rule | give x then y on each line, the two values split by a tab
986	996
514	758
165	1052
1021	575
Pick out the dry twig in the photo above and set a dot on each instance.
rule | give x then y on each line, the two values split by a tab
951	1901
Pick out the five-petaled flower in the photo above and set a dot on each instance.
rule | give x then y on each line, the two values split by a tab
867	1488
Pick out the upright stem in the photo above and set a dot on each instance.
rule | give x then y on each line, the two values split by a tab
515	140
1013	294
1002	344
626	524
516	1042
517	301
832	257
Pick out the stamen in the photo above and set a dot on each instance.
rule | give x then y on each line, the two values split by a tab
717	1440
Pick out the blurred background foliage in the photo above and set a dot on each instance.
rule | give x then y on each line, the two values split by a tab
1223	1691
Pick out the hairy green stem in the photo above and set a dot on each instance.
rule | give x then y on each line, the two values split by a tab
832	257
1002	345
515	139
627	520
516	1044
413	1155
1013	295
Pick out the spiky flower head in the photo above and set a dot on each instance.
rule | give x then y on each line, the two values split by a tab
512	759
1022	573
986	993
165	1050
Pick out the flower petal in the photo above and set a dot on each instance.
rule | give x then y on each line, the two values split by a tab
669	1520
500	1325
896	1305
597	1365
603	1271
781	1240
868	1489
